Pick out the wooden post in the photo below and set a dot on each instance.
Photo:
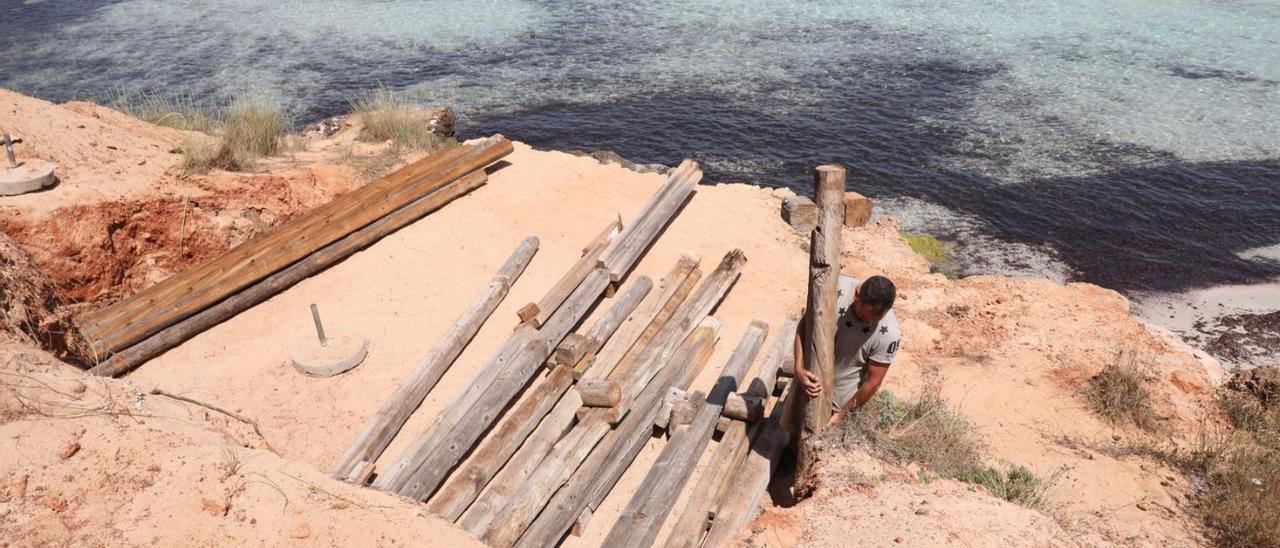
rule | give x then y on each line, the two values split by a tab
129	358
722	472
744	408
131	320
648	509
820	316
613	455
386	423
648	317
575	347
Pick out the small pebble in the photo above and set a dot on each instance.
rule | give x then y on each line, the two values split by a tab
69	450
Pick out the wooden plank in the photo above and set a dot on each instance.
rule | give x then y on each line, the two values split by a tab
599	392
167	303
645	513
696	307
466	483
157	344
386	423
527	506
857	210
820	316
598	474
571	351
746	408
722	472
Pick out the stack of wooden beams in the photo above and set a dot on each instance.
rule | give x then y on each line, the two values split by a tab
151	321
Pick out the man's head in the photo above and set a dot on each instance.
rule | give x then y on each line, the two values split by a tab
873	299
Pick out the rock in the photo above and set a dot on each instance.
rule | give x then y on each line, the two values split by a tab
54	503
440	121
611	157
324	128
69	450
215	508
922	511
300	530
18	488
800	212
77	387
857	210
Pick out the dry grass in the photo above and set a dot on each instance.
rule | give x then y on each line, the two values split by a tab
252	128
1120	394
389	116
926	431
198	155
175	110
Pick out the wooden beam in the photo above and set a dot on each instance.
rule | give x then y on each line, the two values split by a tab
575	346
750	481
565	462
820	315
857	210
640	326
386	423
465	484
645	513
147	312
651	219
427	463
722	471
570	281
478	518
613	455
696	307
599	393
129	358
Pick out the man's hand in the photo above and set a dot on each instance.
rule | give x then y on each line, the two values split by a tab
809	382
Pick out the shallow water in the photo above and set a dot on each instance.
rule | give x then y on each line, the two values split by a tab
1131	143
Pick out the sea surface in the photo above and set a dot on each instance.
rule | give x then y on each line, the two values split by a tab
1130	143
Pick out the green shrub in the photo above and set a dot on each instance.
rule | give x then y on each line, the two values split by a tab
389	116
928	247
198	155
1016	484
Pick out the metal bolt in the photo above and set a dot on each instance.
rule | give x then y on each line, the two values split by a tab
315	315
8	148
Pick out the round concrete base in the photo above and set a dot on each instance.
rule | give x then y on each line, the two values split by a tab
340	355
29	176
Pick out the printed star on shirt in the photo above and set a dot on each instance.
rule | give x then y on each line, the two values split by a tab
866	329
884	330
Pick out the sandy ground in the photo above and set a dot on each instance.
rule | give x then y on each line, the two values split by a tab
1013	354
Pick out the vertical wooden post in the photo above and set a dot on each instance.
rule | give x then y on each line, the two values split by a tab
820	324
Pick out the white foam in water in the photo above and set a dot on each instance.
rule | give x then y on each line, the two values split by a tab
972	246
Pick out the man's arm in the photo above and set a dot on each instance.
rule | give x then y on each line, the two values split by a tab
875	375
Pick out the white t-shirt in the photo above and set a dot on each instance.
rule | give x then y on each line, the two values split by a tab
858	343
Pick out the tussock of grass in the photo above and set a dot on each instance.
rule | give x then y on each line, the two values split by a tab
198	155
175	110
1120	394
252	128
927	432
388	116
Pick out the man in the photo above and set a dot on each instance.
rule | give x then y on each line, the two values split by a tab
867	340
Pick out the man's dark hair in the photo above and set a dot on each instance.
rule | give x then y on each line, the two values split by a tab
879	293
